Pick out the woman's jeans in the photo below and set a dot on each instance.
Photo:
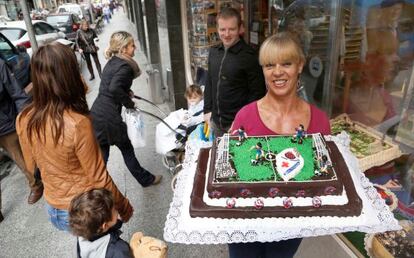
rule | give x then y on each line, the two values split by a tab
59	218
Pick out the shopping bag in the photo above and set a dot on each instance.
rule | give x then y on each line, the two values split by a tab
147	247
135	127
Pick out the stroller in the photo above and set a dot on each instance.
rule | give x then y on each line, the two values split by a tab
172	135
171	143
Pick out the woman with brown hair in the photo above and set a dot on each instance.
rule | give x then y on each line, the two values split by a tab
56	135
85	37
115	92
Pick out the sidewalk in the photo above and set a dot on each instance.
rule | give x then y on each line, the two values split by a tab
26	232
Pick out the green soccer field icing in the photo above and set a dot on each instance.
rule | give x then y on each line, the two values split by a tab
242	156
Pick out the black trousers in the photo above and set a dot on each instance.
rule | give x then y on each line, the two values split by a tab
281	249
143	177
89	62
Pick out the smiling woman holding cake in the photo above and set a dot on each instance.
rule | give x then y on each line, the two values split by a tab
279	112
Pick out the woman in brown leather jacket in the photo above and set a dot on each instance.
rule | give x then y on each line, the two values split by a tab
56	135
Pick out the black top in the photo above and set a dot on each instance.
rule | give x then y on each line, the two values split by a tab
12	100
117	77
239	82
117	247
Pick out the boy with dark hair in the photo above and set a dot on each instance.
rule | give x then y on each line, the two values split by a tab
94	219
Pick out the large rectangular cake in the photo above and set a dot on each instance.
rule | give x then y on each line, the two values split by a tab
273	176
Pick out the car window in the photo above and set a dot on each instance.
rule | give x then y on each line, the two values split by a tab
76	18
38	30
57	19
62	10
46	27
6	49
12	34
76	10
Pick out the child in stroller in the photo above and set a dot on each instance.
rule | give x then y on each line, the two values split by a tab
171	143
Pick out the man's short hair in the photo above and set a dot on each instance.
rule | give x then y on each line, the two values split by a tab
89	211
229	12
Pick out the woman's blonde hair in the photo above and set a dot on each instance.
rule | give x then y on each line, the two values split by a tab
118	41
281	47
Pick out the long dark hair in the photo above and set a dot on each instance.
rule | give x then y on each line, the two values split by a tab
57	87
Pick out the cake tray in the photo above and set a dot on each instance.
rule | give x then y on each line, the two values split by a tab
181	228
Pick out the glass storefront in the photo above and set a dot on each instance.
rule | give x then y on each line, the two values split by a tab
359	69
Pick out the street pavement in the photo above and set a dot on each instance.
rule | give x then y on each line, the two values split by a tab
26	232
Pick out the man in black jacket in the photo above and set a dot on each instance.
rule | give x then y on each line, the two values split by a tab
235	77
13	99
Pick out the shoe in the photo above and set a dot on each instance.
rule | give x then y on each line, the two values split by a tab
1	217
35	195
92	78
157	180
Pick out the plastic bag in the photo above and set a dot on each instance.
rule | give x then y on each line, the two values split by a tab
165	138
135	126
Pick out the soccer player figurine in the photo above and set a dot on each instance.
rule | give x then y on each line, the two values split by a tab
242	135
323	165
300	134
260	155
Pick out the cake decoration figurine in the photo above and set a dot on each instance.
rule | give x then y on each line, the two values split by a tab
230	203
324	164
258	204
260	155
287	203
273	192
299	135
242	135
329	190
215	194
245	192
316	202
300	193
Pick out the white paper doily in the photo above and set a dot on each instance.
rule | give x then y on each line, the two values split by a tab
181	228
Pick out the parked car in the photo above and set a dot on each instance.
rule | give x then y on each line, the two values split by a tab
67	23
74	8
16	59
16	32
